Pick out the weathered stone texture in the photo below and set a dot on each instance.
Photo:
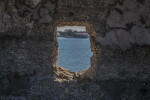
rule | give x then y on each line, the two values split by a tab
120	40
132	17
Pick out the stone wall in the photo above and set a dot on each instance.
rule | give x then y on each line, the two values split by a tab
128	23
119	34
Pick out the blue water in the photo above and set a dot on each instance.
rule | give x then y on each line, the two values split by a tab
74	53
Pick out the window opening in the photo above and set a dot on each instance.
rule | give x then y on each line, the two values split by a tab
74	48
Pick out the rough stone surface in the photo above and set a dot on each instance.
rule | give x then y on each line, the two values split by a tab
120	41
132	17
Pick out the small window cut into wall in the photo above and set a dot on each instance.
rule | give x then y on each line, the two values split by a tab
74	48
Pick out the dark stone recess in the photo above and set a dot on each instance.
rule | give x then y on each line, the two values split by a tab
129	26
23	8
13	84
125	90
120	2
119	11
141	1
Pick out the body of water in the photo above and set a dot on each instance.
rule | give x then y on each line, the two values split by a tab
74	53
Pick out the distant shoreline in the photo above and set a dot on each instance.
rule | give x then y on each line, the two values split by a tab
73	36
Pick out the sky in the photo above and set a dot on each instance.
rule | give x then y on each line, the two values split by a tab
78	28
